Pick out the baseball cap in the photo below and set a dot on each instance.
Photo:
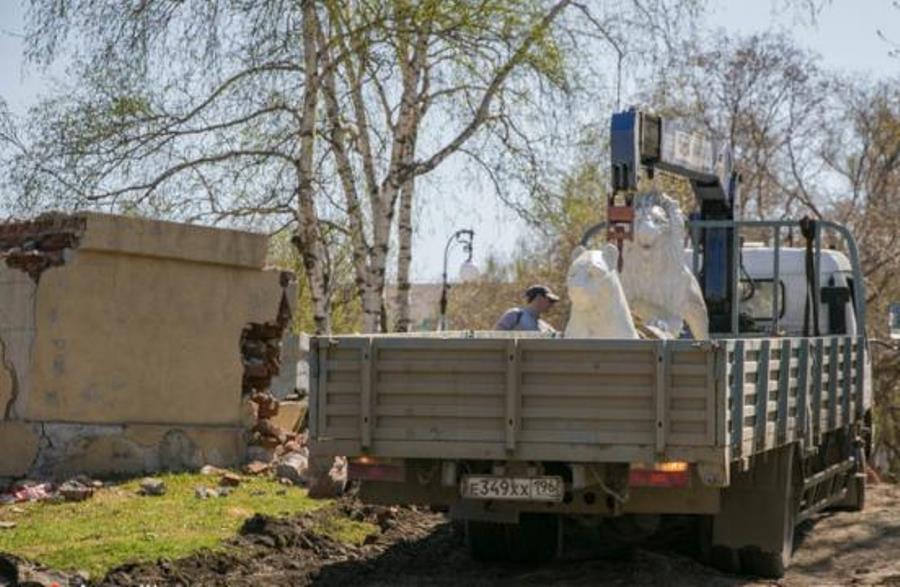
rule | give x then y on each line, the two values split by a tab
540	290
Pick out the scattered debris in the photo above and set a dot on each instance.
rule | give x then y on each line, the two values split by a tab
203	492
7	525
229	479
27	491
257	468
294	467
152	486
16	571
333	483
76	490
275	440
211	470
291	414
260	454
266	405
268	436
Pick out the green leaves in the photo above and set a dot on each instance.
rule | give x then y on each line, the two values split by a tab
129	107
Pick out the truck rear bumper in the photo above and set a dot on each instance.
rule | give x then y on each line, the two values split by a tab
697	499
712	461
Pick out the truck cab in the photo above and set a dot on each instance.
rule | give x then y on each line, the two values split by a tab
758	294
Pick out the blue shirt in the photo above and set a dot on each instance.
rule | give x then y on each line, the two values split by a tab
521	319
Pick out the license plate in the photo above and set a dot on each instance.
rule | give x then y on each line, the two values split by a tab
513	488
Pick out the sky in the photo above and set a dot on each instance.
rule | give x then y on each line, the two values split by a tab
844	34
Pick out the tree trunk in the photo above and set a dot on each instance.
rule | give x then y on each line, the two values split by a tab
412	54
307	238
339	139
402	321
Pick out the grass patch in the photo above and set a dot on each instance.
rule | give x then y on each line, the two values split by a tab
118	526
345	530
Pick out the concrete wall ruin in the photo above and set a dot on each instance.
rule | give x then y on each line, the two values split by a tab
121	340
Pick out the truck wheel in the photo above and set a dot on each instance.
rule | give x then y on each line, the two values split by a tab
486	540
536	538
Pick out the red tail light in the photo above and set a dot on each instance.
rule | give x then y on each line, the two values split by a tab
670	474
368	469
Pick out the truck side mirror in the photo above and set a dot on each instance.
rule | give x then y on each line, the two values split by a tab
894	320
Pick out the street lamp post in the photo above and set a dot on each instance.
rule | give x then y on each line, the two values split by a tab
464	237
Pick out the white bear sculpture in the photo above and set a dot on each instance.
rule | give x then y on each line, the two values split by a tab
659	286
599	307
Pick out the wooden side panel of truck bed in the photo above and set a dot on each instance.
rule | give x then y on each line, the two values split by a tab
527	398
793	389
518	398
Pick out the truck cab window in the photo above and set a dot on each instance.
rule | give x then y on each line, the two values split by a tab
757	298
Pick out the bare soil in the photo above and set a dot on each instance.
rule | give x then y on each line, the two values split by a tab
418	547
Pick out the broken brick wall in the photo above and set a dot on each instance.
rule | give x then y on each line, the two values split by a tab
120	342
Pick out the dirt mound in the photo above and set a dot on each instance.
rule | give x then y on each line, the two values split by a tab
410	546
292	551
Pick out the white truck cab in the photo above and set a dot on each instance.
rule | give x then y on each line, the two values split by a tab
757	291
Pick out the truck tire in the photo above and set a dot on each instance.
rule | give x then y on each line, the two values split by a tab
536	538
619	535
486	540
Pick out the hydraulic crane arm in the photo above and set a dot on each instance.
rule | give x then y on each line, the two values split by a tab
642	143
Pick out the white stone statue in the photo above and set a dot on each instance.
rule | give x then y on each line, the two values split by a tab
599	307
659	286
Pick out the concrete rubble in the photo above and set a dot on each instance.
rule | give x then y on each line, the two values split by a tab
203	492
152	486
294	467
273	427
229	480
79	488
34	246
76	490
283	451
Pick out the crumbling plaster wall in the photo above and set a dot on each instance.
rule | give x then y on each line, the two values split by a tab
123	355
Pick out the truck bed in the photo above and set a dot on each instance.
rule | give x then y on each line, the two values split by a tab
579	400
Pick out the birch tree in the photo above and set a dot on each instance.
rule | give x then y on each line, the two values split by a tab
244	113
422	54
468	78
